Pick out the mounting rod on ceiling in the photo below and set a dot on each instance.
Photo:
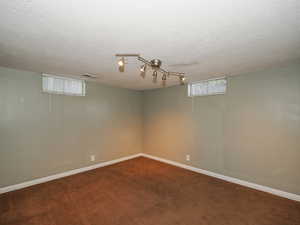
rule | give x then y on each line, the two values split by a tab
153	64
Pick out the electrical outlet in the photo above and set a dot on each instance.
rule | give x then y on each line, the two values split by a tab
187	158
92	158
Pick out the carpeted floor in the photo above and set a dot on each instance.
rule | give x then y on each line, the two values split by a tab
142	191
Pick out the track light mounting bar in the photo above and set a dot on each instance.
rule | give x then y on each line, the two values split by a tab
154	64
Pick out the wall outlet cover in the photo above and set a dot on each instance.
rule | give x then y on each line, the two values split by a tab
92	157
187	157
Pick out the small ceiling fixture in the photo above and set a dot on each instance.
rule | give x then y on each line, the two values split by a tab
154	65
121	64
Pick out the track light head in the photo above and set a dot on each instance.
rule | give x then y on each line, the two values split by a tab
164	79
181	80
121	64
154	76
143	70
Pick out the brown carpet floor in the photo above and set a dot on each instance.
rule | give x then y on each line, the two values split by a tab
142	191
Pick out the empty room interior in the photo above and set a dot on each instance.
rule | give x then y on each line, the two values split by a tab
149	112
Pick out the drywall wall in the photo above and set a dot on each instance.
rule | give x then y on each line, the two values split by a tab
43	134
251	133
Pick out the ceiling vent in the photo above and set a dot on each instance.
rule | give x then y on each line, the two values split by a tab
89	76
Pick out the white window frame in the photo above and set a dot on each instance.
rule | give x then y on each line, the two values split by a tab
206	81
63	91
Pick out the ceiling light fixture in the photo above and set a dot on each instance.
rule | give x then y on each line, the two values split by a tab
153	64
164	78
181	79
121	64
154	76
143	70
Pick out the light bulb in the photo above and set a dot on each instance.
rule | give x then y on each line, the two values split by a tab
181	80
121	64
164	79
143	71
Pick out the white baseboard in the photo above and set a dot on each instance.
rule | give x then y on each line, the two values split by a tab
64	174
212	174
229	179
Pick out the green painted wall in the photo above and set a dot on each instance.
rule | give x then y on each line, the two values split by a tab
251	133
42	134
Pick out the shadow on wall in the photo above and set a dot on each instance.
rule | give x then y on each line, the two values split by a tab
42	134
250	133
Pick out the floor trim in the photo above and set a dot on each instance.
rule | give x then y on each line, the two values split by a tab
259	187
64	174
273	191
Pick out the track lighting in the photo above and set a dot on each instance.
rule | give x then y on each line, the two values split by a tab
181	79
154	76
164	78
143	70
121	64
153	64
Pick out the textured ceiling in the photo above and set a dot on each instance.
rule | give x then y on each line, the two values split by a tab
207	38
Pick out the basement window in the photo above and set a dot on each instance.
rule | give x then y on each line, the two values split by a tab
207	87
63	85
